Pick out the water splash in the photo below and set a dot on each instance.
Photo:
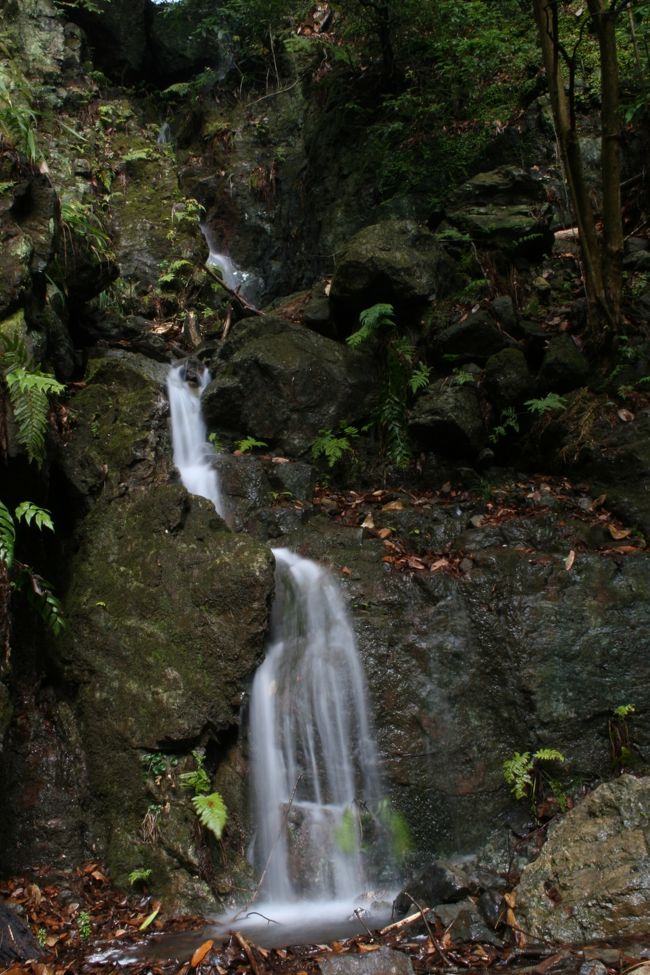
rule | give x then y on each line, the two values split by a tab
193	455
247	283
314	762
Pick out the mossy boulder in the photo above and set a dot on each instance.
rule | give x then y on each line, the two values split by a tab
396	261
564	365
448	418
118	434
283	383
507	377
505	207
167	613
596	862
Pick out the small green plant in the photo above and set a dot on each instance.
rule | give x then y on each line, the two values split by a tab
80	223
400	375
360	827
334	445
197	781
620	737
18	121
189	211
550	402
41	937
84	925
507	421
212	813
216	442
29	391
250	443
461	377
21	576
172	272
155	763
526	775
139	876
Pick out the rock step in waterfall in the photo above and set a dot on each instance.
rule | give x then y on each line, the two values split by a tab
322	837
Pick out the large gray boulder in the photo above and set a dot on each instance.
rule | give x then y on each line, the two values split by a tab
283	383
592	879
396	261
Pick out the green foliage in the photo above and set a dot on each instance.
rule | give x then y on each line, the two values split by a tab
84	925
156	763
23	577
250	443
7	536
550	402
29	391
80	220
372	319
460	377
172	271
212	813
620	737
139	876
525	775
397	827
419	378
334	445
18	121
399	377
359	828
41	937
624	710
197	781
507	421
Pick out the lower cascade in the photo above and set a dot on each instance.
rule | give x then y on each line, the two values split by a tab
323	832
316	787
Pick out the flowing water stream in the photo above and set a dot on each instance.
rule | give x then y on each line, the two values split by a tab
322	834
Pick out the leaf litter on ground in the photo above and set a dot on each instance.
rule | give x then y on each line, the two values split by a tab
51	900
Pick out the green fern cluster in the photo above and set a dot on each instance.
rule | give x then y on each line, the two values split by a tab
29	391
23	577
401	376
210	808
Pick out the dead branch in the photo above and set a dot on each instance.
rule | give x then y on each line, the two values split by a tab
234	294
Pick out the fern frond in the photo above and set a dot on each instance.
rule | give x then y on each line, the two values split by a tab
7	536
212	812
28	394
14	352
420	378
46	604
27	511
372	319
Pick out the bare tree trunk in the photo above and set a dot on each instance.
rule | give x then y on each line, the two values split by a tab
602	262
604	21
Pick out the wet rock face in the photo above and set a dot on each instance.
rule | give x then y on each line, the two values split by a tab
282	383
592	879
167	613
513	653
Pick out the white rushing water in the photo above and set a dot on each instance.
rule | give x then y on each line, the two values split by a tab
314	761
193	455
322	839
245	282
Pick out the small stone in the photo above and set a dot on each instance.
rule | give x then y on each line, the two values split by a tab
385	961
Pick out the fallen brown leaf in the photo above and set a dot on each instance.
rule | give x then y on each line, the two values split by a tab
200	953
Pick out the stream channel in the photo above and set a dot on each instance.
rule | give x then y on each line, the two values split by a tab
322	836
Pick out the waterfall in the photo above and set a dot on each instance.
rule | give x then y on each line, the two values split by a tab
234	277
322	830
314	762
193	455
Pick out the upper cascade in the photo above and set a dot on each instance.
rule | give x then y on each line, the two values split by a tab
193	455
